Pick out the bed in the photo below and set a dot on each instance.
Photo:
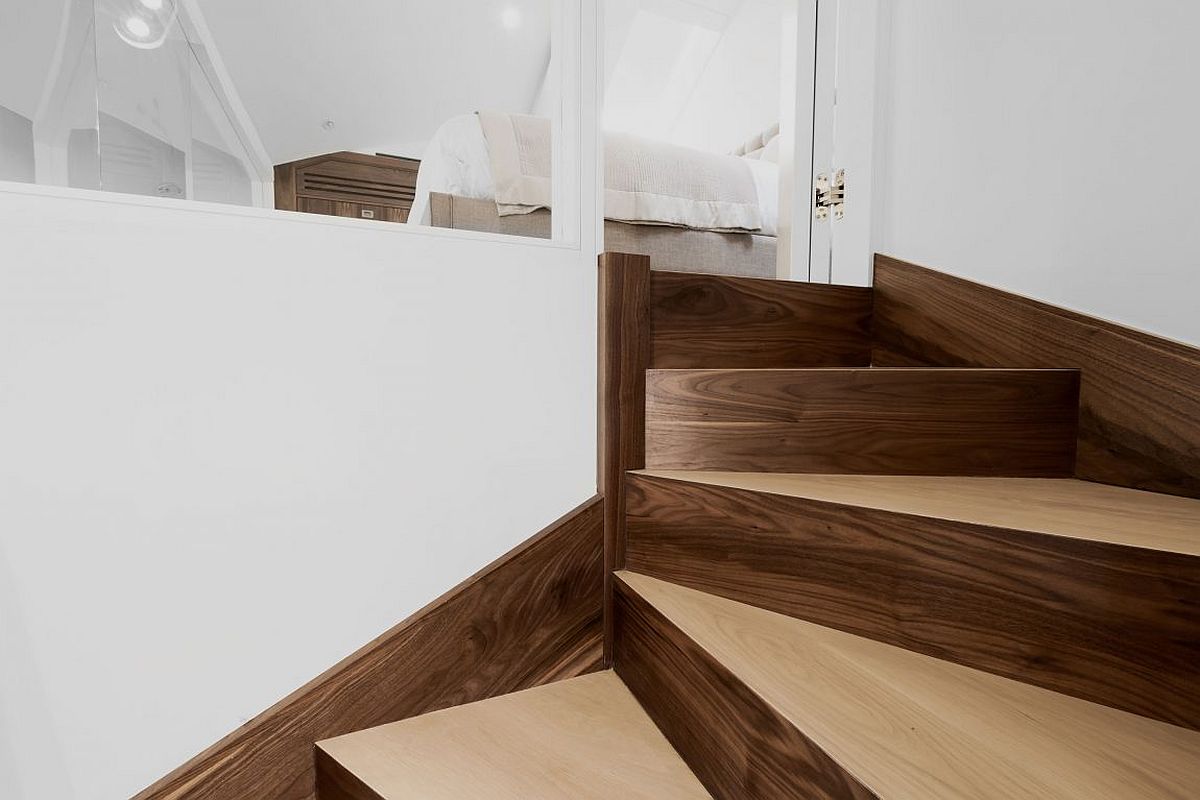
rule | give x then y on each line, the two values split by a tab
687	210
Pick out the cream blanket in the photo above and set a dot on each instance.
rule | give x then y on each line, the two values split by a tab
645	182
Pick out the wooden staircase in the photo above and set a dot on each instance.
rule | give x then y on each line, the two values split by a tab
831	580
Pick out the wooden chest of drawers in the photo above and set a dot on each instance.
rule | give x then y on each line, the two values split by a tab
348	185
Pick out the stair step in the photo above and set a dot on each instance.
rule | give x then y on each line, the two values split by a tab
722	321
584	738
765	705
1057	506
1085	589
862	420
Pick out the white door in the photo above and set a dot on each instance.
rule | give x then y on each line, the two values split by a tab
829	79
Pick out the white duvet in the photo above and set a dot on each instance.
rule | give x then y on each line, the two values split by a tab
457	162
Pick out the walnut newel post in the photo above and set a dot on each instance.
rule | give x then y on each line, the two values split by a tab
624	343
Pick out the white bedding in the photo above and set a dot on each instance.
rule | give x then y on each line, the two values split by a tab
457	162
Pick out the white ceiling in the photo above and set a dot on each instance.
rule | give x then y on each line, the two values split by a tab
387	72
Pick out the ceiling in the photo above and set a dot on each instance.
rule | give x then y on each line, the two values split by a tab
386	72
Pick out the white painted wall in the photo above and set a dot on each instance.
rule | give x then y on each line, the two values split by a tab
1048	147
737	95
237	445
700	73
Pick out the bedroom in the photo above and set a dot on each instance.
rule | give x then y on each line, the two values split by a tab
281	105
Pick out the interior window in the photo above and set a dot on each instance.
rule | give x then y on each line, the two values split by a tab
423	113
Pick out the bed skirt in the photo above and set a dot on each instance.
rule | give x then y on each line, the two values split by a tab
675	249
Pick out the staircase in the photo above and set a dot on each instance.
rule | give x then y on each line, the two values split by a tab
828	580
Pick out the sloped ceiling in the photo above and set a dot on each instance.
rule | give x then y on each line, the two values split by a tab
386	72
701	73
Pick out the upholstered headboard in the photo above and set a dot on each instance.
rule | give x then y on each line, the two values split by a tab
760	145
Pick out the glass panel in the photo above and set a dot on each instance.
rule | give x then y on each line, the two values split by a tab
374	109
48	94
16	146
144	65
114	95
431	113
220	165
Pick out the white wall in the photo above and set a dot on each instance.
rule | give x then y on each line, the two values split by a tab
236	445
703	74
737	95
1048	147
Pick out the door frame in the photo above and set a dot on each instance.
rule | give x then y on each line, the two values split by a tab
829	63
798	74
854	139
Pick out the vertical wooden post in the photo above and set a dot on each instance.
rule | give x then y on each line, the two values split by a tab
624	344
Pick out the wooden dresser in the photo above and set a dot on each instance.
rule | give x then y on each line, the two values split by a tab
348	185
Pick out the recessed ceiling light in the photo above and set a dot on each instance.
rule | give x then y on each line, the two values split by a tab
510	18
148	23
138	27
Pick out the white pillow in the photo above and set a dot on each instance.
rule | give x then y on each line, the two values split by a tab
771	151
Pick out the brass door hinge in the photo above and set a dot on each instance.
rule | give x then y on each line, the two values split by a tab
829	196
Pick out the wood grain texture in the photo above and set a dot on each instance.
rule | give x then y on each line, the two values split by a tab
701	321
585	739
532	617
911	726
1114	624
348	185
1056	507
285	189
624	344
738	745
882	421
1139	394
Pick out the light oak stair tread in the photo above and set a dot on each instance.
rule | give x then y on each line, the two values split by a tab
911	726
582	738
1055	506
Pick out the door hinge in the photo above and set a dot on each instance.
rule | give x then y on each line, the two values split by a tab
829	196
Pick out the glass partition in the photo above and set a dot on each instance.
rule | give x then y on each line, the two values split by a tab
48	82
117	95
432	114
446	113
